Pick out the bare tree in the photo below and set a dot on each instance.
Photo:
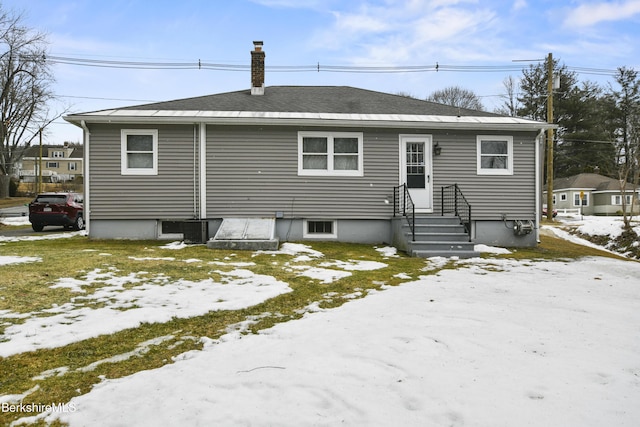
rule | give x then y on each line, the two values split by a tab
627	135
510	103
457	97
25	81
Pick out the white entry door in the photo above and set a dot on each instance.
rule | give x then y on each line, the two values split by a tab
416	170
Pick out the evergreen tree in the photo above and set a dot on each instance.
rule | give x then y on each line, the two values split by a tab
584	144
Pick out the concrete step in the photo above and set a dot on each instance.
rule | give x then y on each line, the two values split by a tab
441	245
427	219
438	236
436	228
446	254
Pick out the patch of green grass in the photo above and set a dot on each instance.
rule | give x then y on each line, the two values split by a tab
77	367
26	288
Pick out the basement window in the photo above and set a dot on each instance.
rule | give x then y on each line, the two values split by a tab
325	229
139	151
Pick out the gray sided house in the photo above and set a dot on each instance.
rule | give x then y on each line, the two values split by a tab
294	163
594	194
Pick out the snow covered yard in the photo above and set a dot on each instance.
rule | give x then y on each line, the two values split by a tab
493	341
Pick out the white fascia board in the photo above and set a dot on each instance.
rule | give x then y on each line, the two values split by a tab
316	119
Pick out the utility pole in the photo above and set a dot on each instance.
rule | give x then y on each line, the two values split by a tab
39	186
550	138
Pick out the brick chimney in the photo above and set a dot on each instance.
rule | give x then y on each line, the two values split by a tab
257	69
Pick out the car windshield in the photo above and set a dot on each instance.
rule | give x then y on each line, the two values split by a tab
51	198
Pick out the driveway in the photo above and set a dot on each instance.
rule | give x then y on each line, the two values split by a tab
19	215
14	211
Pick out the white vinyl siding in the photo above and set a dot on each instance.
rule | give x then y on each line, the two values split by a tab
330	153
139	152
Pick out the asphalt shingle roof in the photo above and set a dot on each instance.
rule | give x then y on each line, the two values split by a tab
312	99
586	181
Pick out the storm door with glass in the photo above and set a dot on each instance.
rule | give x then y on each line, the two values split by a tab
415	169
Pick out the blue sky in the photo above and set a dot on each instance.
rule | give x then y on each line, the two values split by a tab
462	33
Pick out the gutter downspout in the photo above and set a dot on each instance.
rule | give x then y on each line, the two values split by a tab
86	199
195	171
203	171
538	212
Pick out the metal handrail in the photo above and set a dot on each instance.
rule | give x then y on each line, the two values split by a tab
403	206
453	201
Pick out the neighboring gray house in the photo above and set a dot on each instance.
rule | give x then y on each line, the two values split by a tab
309	162
594	194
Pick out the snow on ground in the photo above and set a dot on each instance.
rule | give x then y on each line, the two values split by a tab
15	220
151	299
6	260
491	249
51	236
493	343
563	234
598	225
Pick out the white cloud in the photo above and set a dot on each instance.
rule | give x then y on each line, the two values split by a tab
413	31
292	4
519	4
590	14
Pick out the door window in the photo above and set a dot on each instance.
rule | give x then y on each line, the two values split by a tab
415	165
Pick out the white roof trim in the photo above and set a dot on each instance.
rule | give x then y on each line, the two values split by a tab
262	117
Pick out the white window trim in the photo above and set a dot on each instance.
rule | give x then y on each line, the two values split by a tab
579	204
330	171
563	197
506	138
307	235
125	170
628	199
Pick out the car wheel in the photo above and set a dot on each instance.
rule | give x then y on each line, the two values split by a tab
79	224
37	227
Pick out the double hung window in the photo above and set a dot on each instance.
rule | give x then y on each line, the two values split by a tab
330	153
617	200
495	155
139	151
580	201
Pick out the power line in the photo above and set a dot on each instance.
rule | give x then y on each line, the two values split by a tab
206	65
108	99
